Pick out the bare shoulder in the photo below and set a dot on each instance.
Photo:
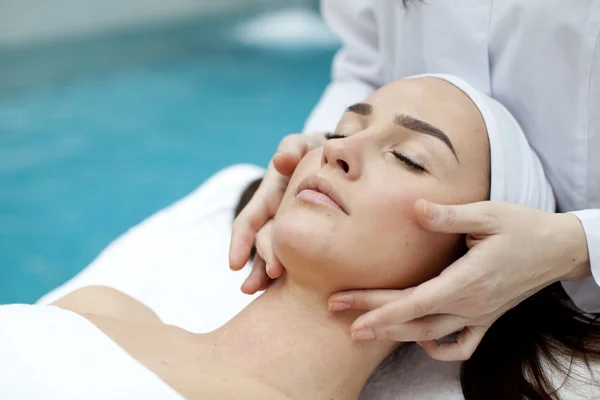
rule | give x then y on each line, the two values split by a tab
106	301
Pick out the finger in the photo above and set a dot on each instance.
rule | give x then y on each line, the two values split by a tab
266	200
460	350
286	163
428	298
244	228
364	299
289	153
257	279
296	144
427	328
475	218
265	249
275	269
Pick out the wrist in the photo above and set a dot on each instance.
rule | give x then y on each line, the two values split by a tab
572	241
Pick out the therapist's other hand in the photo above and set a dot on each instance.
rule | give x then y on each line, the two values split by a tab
251	224
259	279
514	251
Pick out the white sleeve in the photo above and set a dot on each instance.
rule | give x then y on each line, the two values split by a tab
356	69
586	293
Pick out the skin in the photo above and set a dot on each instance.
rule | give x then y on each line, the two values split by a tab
378	244
495	276
380	190
497	273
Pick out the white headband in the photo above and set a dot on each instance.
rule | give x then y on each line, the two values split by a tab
517	175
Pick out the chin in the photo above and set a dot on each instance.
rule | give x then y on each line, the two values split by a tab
313	247
305	235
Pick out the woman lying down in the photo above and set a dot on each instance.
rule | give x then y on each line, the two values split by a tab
347	221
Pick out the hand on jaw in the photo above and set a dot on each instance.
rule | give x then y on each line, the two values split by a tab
514	251
254	224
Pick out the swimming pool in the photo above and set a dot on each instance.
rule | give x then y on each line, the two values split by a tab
97	134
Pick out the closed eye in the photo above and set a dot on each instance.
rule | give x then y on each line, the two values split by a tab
331	135
407	161
410	163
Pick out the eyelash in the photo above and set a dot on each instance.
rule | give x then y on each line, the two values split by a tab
410	163
331	135
418	167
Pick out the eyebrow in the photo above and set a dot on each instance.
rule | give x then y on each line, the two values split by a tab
408	122
417	125
361	109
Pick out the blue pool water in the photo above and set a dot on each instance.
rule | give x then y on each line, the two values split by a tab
129	125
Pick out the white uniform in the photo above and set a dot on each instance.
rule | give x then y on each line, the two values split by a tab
540	58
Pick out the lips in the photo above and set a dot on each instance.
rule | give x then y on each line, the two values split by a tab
315	189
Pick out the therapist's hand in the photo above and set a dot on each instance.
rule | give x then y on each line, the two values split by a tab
514	251
252	224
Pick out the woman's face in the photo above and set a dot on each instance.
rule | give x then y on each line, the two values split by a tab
415	138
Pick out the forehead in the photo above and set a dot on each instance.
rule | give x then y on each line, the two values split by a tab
439	103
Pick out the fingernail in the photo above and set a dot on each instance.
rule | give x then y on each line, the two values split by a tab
363	334
427	210
431	211
341	298
268	268
338	306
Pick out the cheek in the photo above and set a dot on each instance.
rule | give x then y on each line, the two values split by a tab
387	211
380	245
400	252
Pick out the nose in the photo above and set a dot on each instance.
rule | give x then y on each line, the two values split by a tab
343	155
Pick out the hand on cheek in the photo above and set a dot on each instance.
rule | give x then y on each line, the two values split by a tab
514	251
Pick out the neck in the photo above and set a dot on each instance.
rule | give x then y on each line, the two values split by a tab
288	339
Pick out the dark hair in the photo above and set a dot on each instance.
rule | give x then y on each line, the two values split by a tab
512	360
543	332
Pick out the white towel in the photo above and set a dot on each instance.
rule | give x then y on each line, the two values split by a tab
50	353
176	262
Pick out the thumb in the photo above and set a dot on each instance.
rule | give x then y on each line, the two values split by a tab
286	163
474	218
289	153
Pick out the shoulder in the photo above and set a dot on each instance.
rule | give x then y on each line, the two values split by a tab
106	301
50	352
